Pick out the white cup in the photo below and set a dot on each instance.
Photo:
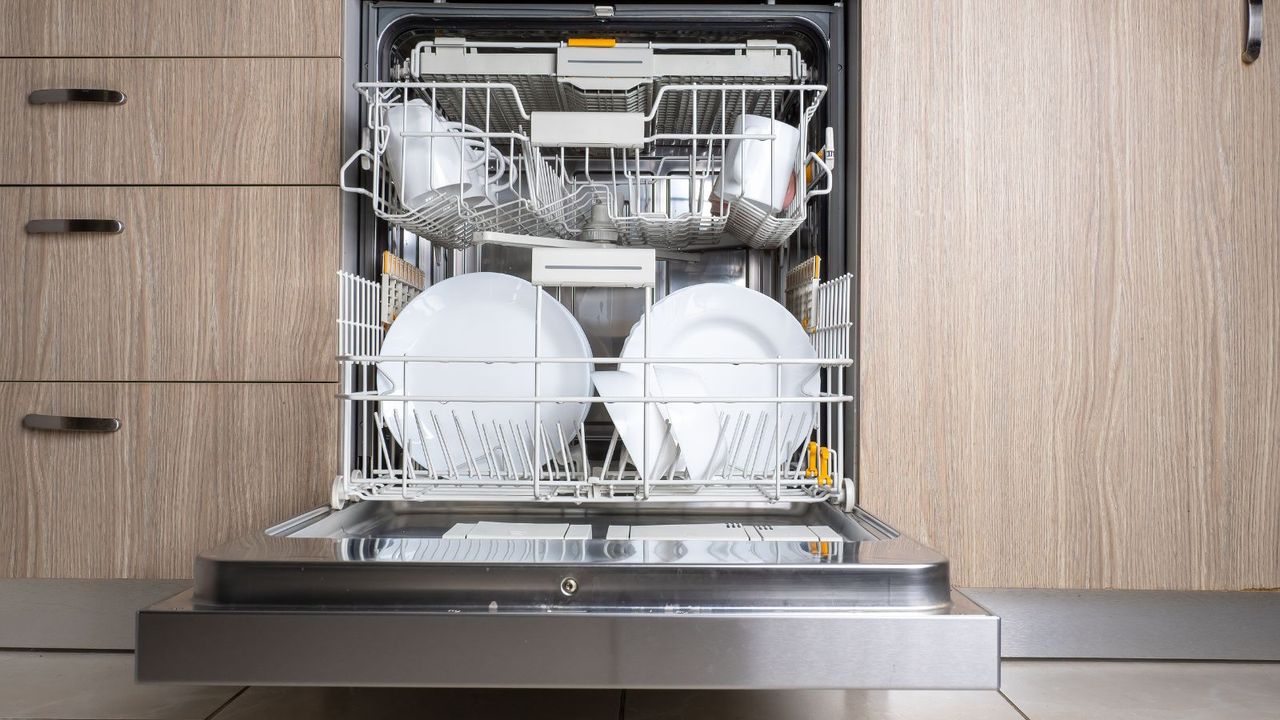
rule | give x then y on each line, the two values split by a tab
762	171
511	191
425	167
484	187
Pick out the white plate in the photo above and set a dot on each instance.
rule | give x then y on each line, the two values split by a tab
482	315
716	320
652	440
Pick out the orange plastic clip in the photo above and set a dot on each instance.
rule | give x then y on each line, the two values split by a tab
592	42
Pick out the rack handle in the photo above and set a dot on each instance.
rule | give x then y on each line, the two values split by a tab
58	226
68	423
1252	31
346	166
62	96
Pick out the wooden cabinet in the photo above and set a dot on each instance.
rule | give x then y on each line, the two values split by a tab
192	465
202	284
171	28
215	303
1070	302
184	121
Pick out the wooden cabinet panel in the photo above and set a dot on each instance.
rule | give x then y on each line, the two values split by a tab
191	466
170	28
204	283
1070	306
185	121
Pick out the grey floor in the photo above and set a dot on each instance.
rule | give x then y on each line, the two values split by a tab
37	684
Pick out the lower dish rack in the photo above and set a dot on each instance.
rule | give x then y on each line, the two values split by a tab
569	467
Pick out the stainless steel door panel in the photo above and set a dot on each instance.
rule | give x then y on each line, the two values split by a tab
374	595
956	648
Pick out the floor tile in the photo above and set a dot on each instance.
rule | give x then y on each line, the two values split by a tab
824	704
95	685
260	703
1056	689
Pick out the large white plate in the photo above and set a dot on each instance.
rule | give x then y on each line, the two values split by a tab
716	320
482	315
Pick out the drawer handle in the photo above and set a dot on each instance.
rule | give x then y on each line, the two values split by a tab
66	423
1252	31
54	96
78	225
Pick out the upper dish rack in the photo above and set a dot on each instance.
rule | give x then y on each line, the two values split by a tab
622	145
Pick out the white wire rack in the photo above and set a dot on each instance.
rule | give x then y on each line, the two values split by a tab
608	76
562	464
658	188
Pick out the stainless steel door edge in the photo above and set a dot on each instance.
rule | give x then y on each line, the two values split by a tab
178	642
393	554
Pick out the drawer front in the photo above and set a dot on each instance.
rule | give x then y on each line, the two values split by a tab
201	283
190	466
171	28
272	121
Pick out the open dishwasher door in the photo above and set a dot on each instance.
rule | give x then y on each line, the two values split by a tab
386	593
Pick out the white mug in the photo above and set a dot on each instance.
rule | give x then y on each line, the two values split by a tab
762	171
426	167
484	187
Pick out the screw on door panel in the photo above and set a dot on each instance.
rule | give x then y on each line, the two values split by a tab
568	586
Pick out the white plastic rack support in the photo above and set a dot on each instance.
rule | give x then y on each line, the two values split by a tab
596	267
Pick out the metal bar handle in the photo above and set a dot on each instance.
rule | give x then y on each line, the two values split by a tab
60	96
67	423
1253	31
74	225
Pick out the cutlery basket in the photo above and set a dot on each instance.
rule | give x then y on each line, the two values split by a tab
625	144
572	464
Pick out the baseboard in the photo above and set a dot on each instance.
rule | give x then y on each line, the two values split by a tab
77	614
1135	624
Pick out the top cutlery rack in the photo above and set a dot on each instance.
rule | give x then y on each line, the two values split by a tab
627	144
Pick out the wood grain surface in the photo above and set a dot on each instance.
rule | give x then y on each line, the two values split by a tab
240	121
170	28
203	284
1070	309
192	465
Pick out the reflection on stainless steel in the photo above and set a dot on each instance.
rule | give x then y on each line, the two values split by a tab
394	553
718	266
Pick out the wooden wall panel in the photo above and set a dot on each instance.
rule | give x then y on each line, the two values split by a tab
268	121
171	28
193	465
203	284
1070	309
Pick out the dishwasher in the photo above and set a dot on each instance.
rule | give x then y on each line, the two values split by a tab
600	144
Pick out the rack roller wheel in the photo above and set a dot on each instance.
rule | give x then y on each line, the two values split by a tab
338	494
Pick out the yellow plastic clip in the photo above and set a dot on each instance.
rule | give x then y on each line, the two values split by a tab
813	460
824	467
592	42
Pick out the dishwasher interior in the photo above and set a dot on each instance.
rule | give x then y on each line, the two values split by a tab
608	158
